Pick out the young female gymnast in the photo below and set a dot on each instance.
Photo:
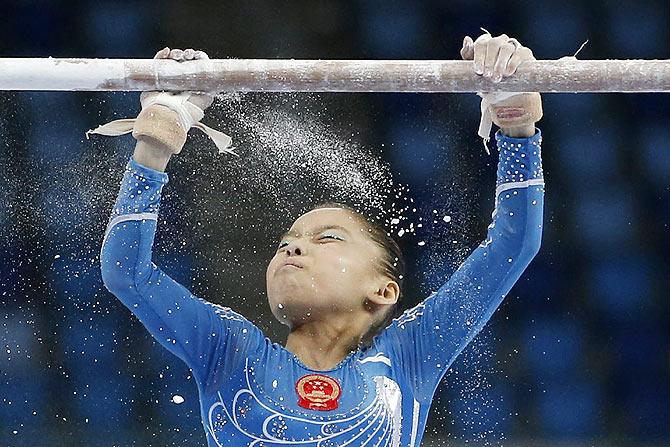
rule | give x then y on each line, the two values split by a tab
346	375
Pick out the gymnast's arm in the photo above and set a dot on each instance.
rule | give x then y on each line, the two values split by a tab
195	330
427	338
205	336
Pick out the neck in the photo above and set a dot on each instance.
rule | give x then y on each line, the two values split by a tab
321	345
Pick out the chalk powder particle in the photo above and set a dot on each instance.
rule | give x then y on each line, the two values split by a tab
295	158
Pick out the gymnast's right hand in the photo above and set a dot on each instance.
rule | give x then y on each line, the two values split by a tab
199	99
159	125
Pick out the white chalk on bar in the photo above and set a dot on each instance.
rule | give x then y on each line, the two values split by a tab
296	75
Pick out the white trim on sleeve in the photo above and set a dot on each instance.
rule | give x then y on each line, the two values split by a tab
525	184
126	217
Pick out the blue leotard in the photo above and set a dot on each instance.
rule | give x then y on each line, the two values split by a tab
254	392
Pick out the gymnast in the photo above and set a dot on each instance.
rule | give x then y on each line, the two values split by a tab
348	374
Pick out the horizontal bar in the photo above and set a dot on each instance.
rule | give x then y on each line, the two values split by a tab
291	75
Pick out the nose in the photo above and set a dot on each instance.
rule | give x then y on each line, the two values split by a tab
293	249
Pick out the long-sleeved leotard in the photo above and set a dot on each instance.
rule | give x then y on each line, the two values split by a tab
254	392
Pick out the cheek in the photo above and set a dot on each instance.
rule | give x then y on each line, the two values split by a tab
354	268
270	268
341	265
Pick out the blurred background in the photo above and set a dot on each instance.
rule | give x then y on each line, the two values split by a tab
579	352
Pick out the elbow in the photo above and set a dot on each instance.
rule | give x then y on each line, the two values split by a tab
530	247
125	267
117	279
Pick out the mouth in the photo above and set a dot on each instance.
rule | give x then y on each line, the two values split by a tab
291	264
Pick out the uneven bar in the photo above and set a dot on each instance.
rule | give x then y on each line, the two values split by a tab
290	75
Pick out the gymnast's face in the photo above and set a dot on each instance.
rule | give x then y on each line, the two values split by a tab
325	266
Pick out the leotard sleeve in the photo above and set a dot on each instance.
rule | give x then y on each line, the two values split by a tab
426	339
205	336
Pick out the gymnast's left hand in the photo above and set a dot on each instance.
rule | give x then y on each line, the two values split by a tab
498	57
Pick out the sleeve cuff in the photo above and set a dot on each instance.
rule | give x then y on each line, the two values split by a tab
537	138
520	159
140	190
147	173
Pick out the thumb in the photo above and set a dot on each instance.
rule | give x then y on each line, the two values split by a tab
468	49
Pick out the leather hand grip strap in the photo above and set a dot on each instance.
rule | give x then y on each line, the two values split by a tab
166	126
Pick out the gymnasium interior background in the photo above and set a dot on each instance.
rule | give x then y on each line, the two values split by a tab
579	352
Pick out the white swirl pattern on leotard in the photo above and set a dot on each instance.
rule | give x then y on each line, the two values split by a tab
377	425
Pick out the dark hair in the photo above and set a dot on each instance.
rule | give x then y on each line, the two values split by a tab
392	263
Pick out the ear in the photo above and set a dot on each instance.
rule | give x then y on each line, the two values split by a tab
388	292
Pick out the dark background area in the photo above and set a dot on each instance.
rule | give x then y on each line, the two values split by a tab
579	352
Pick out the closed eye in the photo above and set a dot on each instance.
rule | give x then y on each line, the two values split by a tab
331	236
283	244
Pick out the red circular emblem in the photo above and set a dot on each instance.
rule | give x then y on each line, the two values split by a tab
318	392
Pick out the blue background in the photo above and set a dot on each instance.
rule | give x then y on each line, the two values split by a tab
578	354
